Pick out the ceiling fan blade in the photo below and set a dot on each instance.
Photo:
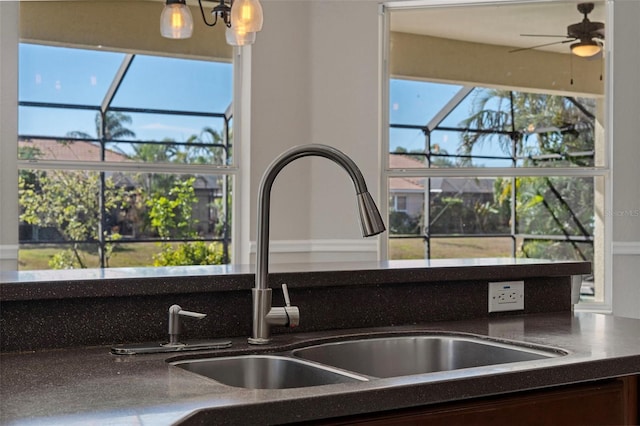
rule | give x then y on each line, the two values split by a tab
543	35
541	45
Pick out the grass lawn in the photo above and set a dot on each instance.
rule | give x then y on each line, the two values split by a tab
446	248
34	257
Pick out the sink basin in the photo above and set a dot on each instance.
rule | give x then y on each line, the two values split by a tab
361	360
266	372
407	355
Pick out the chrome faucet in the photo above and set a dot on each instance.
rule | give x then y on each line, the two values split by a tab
264	315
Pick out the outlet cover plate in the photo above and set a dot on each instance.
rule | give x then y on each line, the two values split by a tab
506	296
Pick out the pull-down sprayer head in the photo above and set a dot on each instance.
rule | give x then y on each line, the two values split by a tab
370	219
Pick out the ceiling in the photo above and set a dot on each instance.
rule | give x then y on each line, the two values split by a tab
496	24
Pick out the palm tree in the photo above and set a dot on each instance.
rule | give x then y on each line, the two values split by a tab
558	125
204	154
561	127
113	129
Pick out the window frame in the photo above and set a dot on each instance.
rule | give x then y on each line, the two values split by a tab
230	171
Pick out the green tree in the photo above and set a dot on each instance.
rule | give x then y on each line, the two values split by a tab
196	151
171	217
68	202
543	131
164	152
401	223
171	214
512	119
199	152
114	127
28	153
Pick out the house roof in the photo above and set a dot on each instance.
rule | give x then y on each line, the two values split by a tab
70	150
438	184
408	184
50	149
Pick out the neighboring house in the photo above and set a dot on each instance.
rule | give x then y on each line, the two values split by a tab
206	188
408	194
47	149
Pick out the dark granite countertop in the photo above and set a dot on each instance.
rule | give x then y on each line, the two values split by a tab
42	285
91	386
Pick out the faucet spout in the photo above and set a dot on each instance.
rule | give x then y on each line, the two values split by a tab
370	220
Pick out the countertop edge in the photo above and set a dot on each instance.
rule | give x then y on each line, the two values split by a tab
214	279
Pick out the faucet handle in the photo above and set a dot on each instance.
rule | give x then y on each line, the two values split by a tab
285	292
292	312
196	315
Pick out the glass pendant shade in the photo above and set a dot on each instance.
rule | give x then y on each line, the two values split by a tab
586	49
247	14
239	38
176	21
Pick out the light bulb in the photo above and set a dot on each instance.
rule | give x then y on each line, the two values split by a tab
176	20
248	14
236	36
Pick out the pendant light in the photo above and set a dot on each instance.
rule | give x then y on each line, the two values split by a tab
243	19
176	21
235	36
247	15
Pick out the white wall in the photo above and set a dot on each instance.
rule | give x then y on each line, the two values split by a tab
625	211
315	80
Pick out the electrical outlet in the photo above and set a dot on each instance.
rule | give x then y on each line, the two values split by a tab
506	296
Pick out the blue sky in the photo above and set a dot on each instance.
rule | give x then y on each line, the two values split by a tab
417	102
82	77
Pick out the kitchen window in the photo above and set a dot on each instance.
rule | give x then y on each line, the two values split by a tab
493	173
508	151
125	159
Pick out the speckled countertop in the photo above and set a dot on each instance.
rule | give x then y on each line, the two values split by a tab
42	285
91	386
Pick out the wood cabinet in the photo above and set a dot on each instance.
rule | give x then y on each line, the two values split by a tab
609	402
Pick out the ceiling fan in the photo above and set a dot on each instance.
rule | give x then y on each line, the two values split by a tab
588	35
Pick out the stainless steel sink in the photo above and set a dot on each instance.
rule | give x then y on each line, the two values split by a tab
363	359
266	372
407	355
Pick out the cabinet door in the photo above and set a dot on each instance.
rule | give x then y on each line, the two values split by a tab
602	403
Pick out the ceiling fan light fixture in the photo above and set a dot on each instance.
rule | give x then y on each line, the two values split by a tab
586	49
